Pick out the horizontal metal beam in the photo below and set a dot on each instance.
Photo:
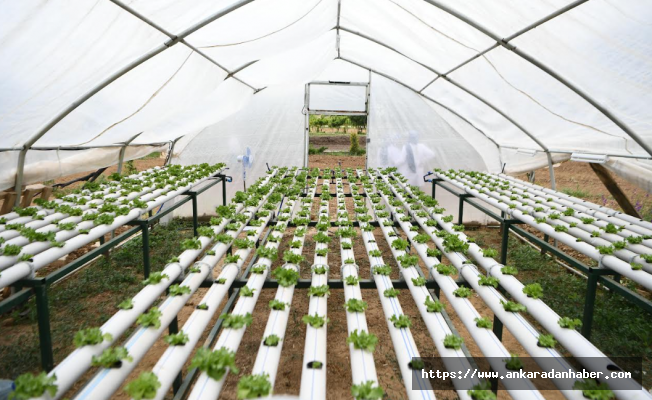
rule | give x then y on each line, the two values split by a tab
332	112
172	36
336	83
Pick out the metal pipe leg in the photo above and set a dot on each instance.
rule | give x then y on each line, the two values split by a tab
44	333
589	303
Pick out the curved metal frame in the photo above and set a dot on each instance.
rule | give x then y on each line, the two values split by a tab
110	79
543	67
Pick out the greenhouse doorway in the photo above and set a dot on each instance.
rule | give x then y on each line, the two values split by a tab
336	130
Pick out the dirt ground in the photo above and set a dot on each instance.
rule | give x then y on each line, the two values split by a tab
336	142
569	175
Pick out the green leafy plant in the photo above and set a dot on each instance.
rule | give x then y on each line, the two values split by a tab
254	386
152	318
321	237
433	253
143	387
214	363
483	322
362	340
400	244
319	291
91	337
489	252
453	342
512	306
355	305
272	340
547	341
351	280
593	390
488	281
482	391
11	250
316	321
267	252
127	304
561	228
569	323
231	259
246	291
509	270
191	244
111	357
636	266
533	290
446	270
292	258
177	290
513	363
367	391
391	292
401	321
236	321
433	305
30	386
463	292
419	281
277	305
202	306
285	276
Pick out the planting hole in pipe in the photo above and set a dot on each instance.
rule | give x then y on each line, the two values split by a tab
315	365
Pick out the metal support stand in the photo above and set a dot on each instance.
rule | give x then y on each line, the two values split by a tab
195	222
172	329
460	216
26	288
589	303
44	333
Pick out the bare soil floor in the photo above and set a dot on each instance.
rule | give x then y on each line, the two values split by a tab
569	175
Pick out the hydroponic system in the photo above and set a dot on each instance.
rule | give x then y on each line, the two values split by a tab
232	257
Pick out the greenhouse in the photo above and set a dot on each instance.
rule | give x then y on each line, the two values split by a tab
326	199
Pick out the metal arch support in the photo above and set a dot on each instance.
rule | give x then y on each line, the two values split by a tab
337	26
543	67
230	74
514	36
424	96
110	79
455	83
123	150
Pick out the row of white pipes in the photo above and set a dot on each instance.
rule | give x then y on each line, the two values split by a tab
600	211
50	224
402	339
631	253
230	338
363	368
581	348
313	372
268	357
488	343
28	268
79	361
609	261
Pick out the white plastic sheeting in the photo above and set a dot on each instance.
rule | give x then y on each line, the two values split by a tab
55	52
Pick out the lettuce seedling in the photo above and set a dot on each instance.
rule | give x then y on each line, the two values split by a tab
236	321
315	321
214	363
367	391
111	357
362	340
254	386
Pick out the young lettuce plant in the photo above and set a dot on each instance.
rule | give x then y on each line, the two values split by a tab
254	386
367	391
214	363
316	321
30	386
91	337
362	340
355	305
143	387
111	357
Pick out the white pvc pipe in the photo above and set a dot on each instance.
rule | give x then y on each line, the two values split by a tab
25	269
572	340
608	261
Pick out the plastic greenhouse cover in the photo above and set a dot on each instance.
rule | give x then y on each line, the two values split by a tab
53	53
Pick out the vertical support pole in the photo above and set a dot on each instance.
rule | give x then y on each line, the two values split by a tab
224	190
434	185
306	133
589	303
368	137
172	329
546	239
146	266
460	210
45	337
195	222
504	243
20	169
121	158
553	184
